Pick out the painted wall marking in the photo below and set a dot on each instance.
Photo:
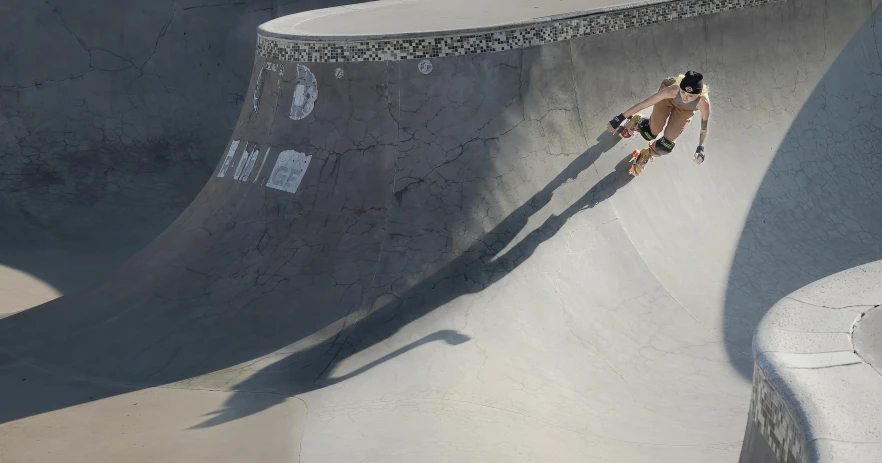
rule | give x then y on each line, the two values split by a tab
338	73
275	67
425	66
289	171
229	160
241	166
258	87
262	162
249	158
305	93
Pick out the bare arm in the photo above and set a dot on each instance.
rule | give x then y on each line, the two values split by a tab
667	92
705	118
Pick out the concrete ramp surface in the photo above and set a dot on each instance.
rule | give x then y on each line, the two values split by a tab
393	265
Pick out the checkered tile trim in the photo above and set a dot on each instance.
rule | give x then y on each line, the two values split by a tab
773	418
492	41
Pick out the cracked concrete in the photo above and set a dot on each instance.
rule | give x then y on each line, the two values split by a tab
465	271
815	352
867	337
111	119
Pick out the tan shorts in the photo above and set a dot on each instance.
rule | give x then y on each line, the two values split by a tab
676	116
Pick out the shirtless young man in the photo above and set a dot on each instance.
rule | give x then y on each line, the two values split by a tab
675	102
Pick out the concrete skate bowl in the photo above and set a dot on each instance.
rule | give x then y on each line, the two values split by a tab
463	271
112	115
818	210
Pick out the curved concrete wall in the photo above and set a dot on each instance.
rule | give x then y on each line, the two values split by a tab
112	115
815	399
452	263
113	112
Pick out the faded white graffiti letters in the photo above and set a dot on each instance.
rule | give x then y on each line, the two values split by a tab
305	93
228	161
289	171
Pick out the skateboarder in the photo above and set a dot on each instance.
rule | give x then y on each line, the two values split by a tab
675	102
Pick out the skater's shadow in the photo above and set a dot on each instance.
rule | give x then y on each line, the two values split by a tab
476	269
604	189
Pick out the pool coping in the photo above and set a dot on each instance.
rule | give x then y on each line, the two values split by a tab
272	44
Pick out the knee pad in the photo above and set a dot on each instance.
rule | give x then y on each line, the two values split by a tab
644	130
664	146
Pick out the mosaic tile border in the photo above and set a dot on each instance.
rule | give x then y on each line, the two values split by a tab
772	417
539	33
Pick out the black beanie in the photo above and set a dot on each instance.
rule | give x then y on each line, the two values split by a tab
692	82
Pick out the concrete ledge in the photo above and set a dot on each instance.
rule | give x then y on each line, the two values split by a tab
815	398
287	38
429	19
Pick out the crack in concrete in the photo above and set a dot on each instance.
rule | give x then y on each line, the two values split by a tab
846	307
